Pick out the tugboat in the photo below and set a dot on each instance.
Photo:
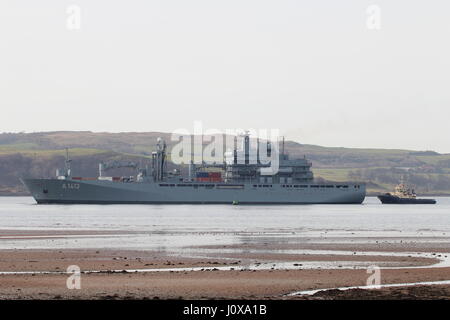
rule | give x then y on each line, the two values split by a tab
403	195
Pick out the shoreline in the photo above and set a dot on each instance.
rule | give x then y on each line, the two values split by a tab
368	194
216	284
123	275
228	252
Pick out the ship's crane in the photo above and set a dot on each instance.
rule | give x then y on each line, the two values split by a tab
107	165
159	160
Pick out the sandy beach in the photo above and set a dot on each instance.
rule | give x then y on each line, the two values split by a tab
266	271
224	252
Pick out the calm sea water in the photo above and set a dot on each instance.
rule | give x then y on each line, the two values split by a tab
174	226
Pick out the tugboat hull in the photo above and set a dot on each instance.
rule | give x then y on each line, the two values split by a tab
390	199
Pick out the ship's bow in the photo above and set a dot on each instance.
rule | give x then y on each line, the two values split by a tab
37	188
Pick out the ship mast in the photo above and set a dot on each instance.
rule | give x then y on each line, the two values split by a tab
67	164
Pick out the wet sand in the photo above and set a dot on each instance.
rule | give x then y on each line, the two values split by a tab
100	260
214	284
158	274
236	252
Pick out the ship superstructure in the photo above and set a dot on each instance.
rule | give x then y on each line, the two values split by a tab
403	191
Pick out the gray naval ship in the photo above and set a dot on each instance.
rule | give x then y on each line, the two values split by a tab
233	182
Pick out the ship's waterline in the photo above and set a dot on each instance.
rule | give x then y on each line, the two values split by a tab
107	192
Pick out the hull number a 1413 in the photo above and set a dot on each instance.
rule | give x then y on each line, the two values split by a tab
75	186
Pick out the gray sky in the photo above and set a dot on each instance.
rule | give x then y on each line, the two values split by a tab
313	68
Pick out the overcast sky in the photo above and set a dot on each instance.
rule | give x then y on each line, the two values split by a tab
312	69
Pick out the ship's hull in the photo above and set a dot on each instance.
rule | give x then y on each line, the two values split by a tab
390	199
68	191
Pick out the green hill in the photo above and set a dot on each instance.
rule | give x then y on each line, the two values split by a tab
39	154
